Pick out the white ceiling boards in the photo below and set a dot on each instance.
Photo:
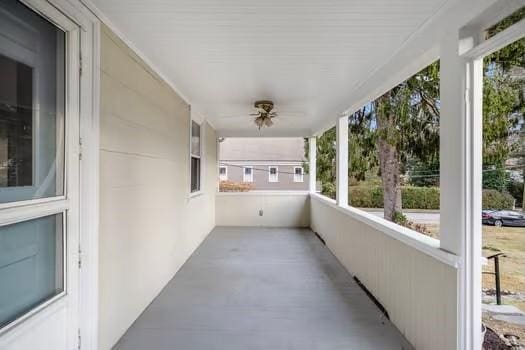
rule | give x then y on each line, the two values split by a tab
309	57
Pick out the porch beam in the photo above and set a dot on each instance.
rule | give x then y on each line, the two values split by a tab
342	161
312	163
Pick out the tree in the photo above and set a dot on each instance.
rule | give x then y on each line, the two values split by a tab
507	67
400	129
362	155
407	119
361	143
326	154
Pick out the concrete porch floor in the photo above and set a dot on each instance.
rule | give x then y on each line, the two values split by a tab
262	288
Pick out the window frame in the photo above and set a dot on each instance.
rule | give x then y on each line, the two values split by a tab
276	179
61	155
200	156
295	175
244	177
225	177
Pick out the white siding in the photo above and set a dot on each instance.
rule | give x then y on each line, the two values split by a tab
284	209
417	290
148	224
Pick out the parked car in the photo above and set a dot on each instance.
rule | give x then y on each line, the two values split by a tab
503	218
485	215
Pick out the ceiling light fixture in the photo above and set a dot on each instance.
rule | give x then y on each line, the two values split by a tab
264	114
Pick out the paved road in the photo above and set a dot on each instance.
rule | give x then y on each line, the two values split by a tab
419	217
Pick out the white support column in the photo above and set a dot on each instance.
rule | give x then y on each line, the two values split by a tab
460	181
342	161
312	163
452	146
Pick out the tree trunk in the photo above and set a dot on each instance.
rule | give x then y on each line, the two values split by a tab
389	162
523	199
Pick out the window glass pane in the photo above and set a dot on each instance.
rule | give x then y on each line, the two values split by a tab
195	174
195	139
31	265
298	171
32	74
248	171
273	171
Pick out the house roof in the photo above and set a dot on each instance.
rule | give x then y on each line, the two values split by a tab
262	149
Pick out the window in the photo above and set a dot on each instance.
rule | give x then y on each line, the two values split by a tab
247	174
32	266
31	109
195	155
32	161
273	174
298	174
223	173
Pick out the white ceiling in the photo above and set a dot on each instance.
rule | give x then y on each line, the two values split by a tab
308	56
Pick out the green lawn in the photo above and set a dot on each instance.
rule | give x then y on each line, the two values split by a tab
508	240
511	242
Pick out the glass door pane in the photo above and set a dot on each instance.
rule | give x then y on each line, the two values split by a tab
32	99
31	265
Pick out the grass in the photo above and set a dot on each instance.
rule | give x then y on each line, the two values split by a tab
511	242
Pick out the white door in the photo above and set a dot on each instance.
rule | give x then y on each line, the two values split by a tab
39	171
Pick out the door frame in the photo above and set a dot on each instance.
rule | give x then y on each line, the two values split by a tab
85	145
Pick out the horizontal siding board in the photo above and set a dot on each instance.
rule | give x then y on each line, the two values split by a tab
417	290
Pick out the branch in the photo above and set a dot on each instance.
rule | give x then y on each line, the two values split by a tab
429	104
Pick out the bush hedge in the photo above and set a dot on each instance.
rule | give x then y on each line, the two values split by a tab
229	186
328	189
421	198
366	196
493	199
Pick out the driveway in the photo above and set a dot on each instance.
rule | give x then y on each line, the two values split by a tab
422	217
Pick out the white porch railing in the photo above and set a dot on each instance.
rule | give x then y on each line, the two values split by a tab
407	272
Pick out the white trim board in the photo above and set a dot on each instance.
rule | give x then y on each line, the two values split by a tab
261	163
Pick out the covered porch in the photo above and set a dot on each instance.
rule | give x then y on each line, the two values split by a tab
155	257
262	288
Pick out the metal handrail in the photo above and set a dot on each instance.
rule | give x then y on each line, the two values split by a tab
496	274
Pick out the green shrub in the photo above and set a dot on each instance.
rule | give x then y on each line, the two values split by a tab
515	189
401	219
496	179
328	189
366	196
412	197
493	199
420	197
